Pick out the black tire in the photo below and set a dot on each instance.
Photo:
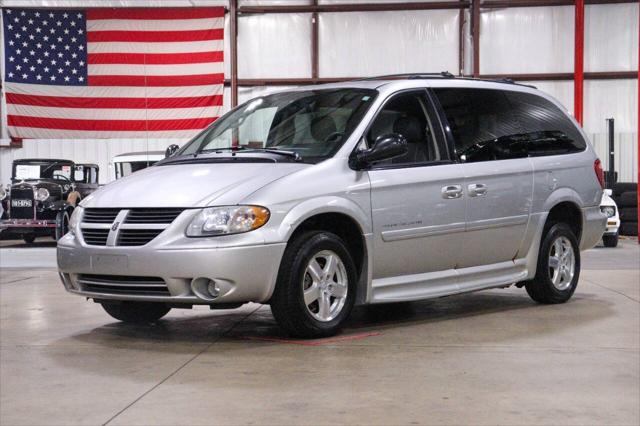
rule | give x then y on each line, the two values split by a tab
287	302
541	288
621	187
29	238
629	229
628	199
136	312
610	240
629	214
62	224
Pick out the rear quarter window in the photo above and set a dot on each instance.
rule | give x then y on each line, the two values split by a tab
548	130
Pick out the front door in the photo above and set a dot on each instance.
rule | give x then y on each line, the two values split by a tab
417	200
498	182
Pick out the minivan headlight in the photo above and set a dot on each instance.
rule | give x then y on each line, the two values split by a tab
74	220
610	211
227	220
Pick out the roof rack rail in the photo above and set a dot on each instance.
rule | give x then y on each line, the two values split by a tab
411	75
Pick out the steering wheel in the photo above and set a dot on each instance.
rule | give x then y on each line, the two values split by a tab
333	137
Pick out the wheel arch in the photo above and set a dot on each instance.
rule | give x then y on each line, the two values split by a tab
343	218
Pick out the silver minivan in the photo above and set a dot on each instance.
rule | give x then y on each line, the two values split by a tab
318	199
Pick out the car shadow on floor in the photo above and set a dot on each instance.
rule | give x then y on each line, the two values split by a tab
513	312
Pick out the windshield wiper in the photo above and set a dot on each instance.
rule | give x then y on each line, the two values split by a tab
291	154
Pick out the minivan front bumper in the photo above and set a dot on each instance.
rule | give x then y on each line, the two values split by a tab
242	274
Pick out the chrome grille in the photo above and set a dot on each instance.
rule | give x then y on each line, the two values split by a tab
99	215
137	237
152	215
95	237
135	227
122	284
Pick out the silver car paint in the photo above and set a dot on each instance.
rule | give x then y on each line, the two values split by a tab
418	245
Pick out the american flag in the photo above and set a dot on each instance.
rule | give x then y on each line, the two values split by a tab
112	73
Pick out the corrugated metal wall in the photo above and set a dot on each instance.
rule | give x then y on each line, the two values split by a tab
513	40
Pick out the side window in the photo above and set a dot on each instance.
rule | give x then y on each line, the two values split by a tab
482	123
547	129
407	114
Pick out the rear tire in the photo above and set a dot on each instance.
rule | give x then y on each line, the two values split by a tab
558	266
136	312
29	238
316	285
610	240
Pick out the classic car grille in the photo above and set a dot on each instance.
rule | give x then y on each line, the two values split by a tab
122	284
140	225
22	212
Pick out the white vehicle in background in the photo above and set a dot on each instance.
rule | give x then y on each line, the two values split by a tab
609	207
125	164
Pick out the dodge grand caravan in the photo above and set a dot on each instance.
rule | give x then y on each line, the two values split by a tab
318	199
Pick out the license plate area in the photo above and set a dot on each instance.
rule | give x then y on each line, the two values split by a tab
109	262
21	203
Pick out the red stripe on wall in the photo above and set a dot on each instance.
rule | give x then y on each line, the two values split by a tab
108	125
157	13
156	80
155	58
155	36
115	103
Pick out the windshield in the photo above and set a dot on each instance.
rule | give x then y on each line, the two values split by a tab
56	170
312	124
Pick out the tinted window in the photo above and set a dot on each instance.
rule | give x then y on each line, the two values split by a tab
482	123
491	124
548	130
406	114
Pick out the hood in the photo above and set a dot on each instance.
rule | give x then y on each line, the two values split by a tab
189	185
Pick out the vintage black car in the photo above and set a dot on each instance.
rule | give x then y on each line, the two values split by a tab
42	195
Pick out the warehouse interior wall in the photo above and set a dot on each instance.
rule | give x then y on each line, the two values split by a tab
512	41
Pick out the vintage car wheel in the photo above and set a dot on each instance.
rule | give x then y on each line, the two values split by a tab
62	224
136	312
29	238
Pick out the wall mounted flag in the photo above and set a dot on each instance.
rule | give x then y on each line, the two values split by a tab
112	73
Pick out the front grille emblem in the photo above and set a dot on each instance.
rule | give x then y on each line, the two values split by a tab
115	226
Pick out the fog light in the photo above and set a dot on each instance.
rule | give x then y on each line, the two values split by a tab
213	289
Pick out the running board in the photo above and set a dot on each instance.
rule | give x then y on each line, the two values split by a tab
444	283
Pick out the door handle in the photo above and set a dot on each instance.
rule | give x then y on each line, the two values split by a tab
477	190
451	191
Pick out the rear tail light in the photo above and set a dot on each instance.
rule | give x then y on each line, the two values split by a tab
597	167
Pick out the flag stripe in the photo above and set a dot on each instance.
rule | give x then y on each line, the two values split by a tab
179	70
85	102
156	13
154	58
155	36
108	125
113	113
36	133
131	47
114	92
157	80
155	25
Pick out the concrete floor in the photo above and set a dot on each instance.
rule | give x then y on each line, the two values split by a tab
485	358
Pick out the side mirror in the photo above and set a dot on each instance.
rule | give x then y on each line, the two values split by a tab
385	147
171	149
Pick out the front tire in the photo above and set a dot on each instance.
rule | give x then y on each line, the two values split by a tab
62	224
610	240
136	312
316	285
558	266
